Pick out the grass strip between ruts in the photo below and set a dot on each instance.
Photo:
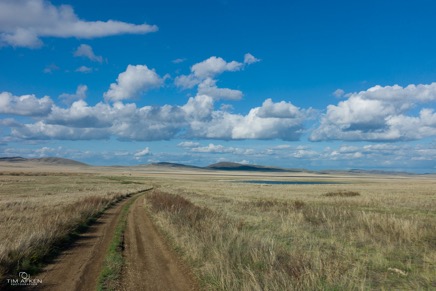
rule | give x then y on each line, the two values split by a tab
113	262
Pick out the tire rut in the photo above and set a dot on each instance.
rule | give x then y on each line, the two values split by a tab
78	267
149	263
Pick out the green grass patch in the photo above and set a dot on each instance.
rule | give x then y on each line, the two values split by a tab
342	193
113	263
123	180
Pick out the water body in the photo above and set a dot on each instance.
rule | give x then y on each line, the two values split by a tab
289	182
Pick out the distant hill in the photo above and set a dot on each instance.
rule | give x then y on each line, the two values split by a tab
379	172
228	166
365	172
223	166
47	161
59	161
175	165
12	159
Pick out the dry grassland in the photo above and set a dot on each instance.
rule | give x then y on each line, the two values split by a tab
369	232
366	233
41	211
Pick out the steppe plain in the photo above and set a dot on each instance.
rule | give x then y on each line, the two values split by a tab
356	231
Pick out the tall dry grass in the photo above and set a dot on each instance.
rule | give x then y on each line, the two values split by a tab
41	212
362	236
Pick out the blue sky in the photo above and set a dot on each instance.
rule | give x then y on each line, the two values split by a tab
317	85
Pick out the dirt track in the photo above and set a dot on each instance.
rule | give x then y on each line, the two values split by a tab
149	263
78	268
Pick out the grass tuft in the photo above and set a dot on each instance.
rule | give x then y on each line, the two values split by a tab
342	193
113	262
189	214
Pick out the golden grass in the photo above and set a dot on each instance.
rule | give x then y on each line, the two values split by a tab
293	237
240	236
41	211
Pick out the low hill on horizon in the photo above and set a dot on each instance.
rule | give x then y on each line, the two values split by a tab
221	166
175	165
12	159
230	166
46	161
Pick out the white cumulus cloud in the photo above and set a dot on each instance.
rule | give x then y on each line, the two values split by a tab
24	22
380	113
79	95
86	51
259	123
204	73
26	105
133	82
43	131
250	59
188	144
186	81
220	149
209	87
339	93
279	110
146	151
196	119
80	115
198	108
214	66
147	123
84	69
212	148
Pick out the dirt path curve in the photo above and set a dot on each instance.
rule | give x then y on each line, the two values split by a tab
149	263
78	267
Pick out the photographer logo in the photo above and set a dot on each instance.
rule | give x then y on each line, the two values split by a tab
23	280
